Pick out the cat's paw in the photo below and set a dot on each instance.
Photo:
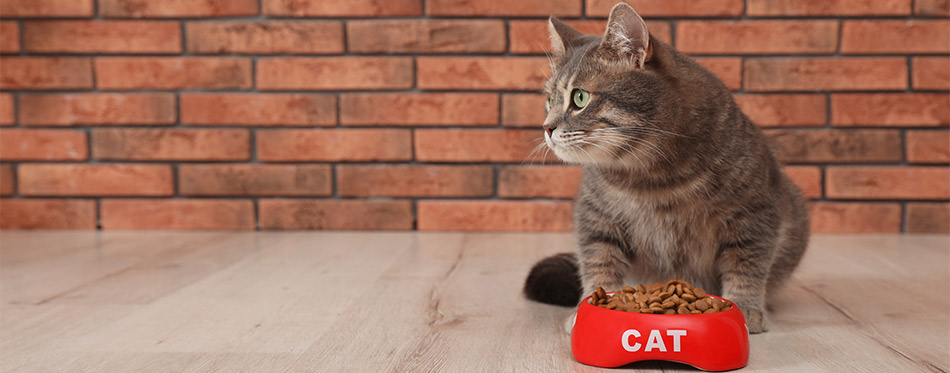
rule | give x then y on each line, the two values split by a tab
569	323
756	320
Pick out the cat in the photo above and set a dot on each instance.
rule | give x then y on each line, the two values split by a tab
676	181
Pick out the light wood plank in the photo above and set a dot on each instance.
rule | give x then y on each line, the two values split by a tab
332	301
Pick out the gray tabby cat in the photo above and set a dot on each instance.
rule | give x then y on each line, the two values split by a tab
677	181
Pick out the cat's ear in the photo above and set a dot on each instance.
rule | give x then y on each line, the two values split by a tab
562	36
627	38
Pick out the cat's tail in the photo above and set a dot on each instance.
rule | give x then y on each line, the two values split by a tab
555	280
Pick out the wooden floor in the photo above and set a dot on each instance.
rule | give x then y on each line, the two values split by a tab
313	301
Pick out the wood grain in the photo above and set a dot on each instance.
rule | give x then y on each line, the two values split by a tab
337	301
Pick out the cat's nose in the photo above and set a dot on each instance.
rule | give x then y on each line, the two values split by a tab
549	129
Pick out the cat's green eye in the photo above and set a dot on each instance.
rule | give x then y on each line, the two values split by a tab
580	98
551	101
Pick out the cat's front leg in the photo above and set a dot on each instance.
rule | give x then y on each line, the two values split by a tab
602	264
744	271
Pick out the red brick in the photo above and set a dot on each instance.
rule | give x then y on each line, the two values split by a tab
335	214
523	8
497	73
551	216
671	8
196	214
94	180
173	73
895	36
275	109
757	37
928	146
932	8
167	144
841	217
770	110
7	183
335	73
807	178
350	8
270	37
177	8
46	8
97	109
931	73
6	109
817	74
836	146
42	145
415	181
429	109
531	37
538	181
888	182
760	8
928	218
890	109
522	110
9	37
46	73
728	69
254	180
426	36
127	37
477	145
39	213
329	145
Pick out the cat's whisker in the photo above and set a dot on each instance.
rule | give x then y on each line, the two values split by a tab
604	149
643	129
637	141
632	153
653	129
625	147
547	74
608	141
592	159
652	146
531	156
650	154
659	151
547	54
544	156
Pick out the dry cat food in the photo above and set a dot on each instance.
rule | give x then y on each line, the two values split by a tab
675	297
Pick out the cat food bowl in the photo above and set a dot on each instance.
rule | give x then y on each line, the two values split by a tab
611	338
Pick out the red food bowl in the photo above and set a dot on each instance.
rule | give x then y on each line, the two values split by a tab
610	338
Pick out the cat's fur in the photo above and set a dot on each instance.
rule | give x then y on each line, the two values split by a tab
677	181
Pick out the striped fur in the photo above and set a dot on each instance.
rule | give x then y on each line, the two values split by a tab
677	181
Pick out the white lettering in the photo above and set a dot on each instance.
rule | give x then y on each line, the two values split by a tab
676	334
655	341
625	340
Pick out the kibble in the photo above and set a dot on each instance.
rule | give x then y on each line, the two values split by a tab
674	297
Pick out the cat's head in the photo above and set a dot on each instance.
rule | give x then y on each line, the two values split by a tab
605	94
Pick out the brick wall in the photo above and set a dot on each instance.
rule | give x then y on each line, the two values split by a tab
422	114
